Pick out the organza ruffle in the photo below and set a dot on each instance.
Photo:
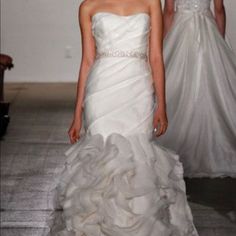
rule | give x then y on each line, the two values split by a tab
123	186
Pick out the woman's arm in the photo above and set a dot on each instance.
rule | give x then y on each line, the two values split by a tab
168	15
220	15
88	55
157	65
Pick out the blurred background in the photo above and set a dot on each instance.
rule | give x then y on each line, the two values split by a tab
43	38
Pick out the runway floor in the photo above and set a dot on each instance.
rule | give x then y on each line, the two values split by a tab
32	154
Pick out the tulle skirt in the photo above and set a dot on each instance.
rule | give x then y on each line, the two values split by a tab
201	96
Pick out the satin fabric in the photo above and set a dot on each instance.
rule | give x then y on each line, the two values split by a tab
201	93
117	181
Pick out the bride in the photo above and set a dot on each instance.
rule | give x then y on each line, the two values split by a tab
117	181
201	88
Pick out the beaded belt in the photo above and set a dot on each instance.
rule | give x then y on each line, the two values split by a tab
196	9
120	53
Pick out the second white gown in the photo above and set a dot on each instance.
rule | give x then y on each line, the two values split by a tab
201	92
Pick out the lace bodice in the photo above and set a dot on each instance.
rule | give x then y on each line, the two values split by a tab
193	4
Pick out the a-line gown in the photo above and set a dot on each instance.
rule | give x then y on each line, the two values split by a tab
201	92
117	181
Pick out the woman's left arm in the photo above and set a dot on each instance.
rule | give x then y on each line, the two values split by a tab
220	15
168	15
156	62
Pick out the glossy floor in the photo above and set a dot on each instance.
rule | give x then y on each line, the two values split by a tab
32	154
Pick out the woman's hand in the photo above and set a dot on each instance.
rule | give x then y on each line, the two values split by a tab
160	121
74	131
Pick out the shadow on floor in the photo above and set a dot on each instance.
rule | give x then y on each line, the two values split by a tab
217	193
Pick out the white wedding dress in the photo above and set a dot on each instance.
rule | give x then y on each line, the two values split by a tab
117	181
201	92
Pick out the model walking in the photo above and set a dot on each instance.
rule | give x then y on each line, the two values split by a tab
117	181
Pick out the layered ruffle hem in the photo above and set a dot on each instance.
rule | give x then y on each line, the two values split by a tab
123	186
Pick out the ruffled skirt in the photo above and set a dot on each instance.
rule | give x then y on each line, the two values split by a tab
123	187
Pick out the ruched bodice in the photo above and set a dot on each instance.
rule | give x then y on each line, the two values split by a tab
116	32
194	5
121	45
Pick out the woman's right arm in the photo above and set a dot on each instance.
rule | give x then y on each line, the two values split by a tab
220	16
168	15
88	55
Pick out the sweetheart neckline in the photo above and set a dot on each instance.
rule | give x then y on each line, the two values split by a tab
118	15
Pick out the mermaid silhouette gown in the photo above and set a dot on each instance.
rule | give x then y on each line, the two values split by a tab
201	92
117	181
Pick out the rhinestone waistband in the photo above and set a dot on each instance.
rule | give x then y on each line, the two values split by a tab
121	53
194	10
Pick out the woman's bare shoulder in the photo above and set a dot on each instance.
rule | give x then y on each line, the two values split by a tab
151	2
88	6
153	5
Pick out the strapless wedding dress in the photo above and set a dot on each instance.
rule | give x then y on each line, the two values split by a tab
201	92
117	181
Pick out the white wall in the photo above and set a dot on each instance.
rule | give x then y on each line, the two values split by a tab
43	38
40	35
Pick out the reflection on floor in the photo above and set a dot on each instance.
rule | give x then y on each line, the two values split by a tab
32	154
